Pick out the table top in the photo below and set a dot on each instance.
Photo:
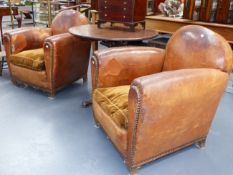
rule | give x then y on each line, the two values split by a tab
116	33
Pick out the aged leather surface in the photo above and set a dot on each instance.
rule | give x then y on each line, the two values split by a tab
116	134
66	57
119	66
28	38
67	19
174	94
176	107
71	58
35	78
204	47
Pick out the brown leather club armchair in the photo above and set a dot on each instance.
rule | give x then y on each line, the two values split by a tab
152	102
48	58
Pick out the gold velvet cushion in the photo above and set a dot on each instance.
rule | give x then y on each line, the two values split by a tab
114	102
31	59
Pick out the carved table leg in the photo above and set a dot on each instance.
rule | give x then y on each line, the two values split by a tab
1	32
87	103
19	20
1	65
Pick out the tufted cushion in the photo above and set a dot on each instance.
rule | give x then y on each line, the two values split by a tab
31	59
114	101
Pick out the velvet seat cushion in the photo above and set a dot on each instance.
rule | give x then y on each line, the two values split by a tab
31	59
114	102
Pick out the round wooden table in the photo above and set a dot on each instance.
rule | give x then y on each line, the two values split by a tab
92	32
116	33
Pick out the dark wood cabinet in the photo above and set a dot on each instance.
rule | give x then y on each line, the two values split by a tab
94	4
224	11
129	12
208	10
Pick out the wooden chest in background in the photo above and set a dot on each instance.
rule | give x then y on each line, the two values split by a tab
129	12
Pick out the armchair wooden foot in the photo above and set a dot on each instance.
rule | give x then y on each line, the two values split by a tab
133	171
51	95
51	98
201	144
97	126
19	84
86	103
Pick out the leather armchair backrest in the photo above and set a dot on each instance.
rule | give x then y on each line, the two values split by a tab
197	47
66	19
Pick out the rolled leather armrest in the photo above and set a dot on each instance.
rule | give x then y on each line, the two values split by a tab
21	39
170	110
120	66
66	58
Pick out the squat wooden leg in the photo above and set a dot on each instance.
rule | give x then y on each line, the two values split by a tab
18	84
133	170
51	95
201	144
86	103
